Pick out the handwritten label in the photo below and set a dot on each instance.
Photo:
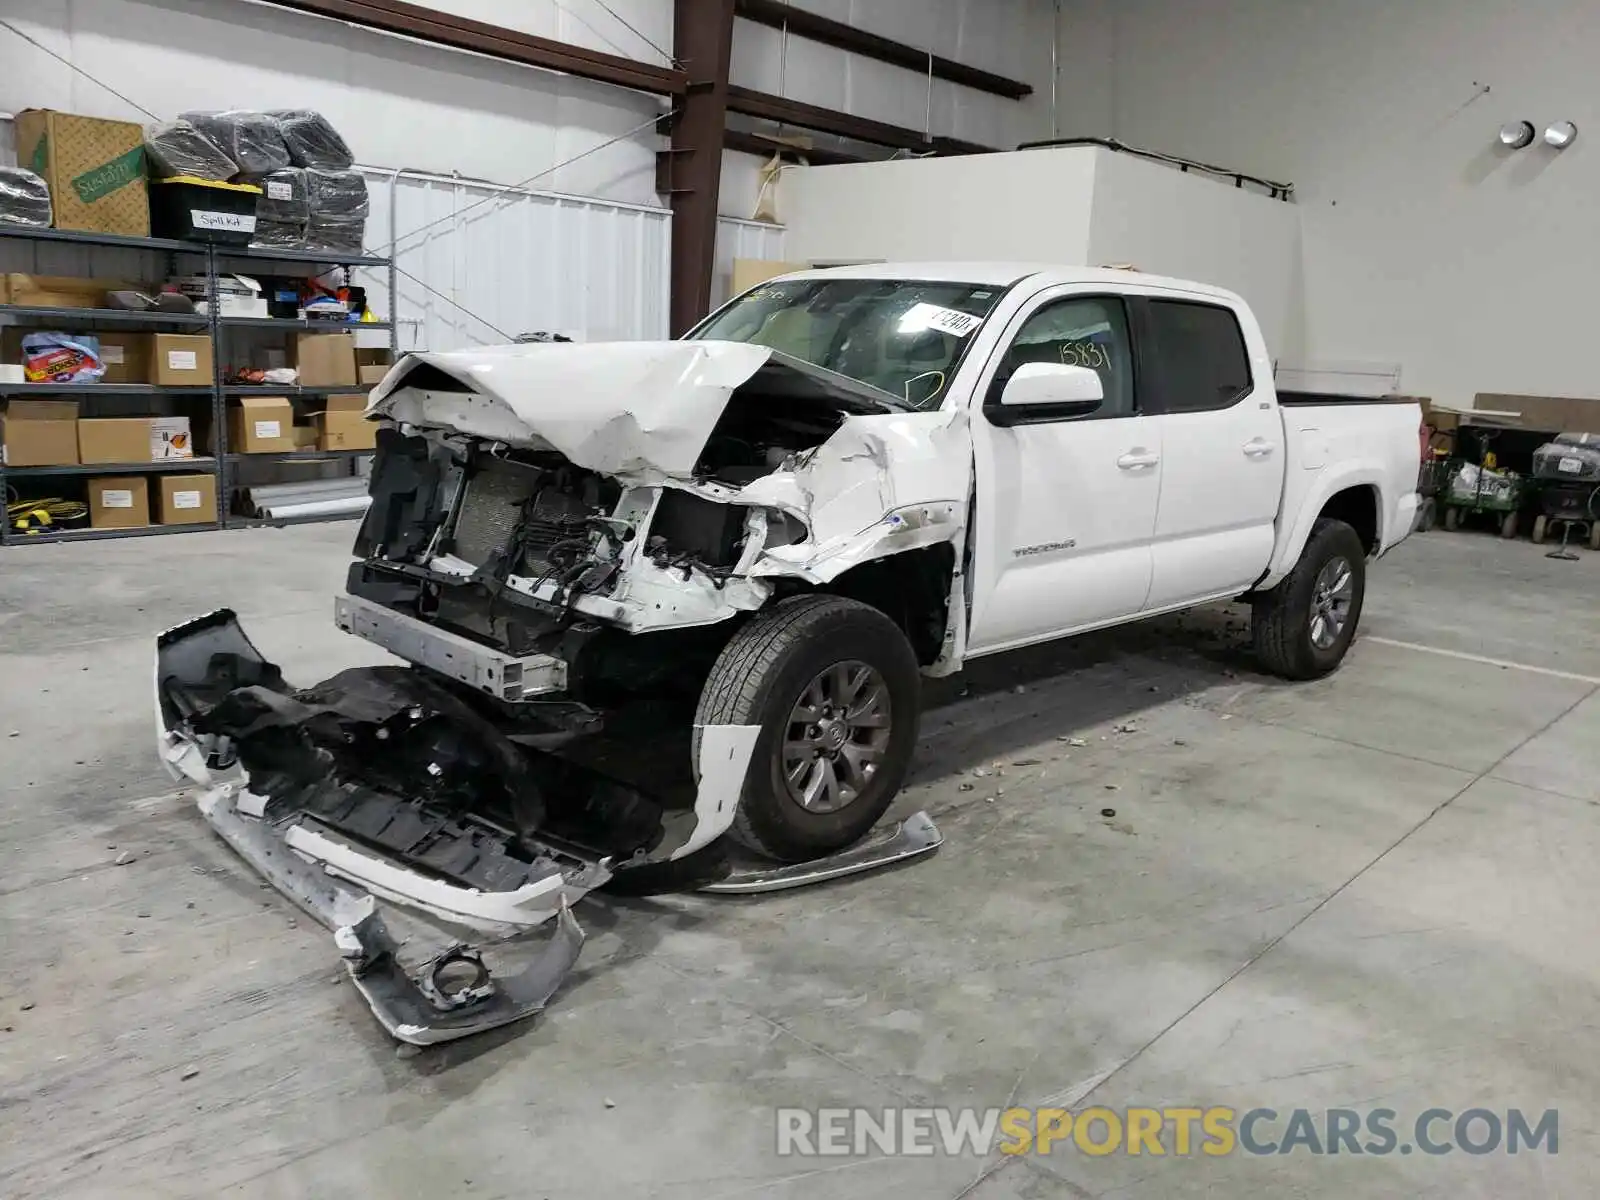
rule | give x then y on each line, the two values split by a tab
116	499
113	356
227	222
266	430
278	190
182	360
945	320
185	499
1570	466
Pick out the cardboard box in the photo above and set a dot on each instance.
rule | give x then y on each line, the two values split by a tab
119	502
114	440
372	364
1541	414
60	291
170	438
343	425
305	437
40	433
127	357
186	499
326	359
180	359
261	425
95	170
134	439
748	272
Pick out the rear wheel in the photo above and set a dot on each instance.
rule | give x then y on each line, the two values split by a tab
1428	515
1541	526
834	686
1508	525
1594	535
1452	519
1303	627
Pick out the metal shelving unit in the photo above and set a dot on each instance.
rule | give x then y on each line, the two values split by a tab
94	535
220	465
199	465
99	316
293	389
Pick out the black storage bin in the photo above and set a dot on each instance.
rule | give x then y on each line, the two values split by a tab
203	210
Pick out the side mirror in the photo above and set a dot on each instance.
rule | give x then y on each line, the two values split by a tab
1053	384
1045	392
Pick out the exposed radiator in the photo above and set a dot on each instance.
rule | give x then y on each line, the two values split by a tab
494	503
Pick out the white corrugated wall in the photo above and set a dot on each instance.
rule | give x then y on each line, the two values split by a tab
741	239
483	263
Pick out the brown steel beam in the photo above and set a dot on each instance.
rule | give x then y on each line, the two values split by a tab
753	143
702	42
496	41
858	129
816	28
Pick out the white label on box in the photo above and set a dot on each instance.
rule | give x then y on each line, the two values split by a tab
185	499
1570	466
116	499
234	222
113	356
182	360
278	190
268	429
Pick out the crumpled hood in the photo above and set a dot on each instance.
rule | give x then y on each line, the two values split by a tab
617	408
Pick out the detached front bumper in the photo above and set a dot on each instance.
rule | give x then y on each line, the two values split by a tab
423	982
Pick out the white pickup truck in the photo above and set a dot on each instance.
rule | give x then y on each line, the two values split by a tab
758	537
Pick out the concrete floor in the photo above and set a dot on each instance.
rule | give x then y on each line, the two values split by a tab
1376	890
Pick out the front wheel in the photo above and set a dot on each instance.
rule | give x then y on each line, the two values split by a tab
834	686
1541	525
1302	627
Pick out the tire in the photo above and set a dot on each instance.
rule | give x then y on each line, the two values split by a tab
1508	525
760	678
1428	515
1452	519
1282	621
1594	535
1541	526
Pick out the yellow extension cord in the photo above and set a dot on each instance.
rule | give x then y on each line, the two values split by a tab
39	516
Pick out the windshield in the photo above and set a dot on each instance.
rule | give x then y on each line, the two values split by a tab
903	336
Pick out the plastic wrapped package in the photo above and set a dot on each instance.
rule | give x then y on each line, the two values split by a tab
337	194
342	234
1572	456
312	141
279	235
251	139
62	358
283	196
1474	484
24	198
180	148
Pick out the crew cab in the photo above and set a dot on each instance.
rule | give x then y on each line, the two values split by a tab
841	480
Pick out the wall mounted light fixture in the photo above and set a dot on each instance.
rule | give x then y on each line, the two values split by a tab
1561	135
1516	134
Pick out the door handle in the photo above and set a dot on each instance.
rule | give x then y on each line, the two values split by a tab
1258	448
1135	459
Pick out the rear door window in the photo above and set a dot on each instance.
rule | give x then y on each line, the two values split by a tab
1200	359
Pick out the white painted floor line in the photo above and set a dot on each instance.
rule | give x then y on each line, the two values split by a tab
1480	658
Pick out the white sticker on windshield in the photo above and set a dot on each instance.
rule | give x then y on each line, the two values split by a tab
945	320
